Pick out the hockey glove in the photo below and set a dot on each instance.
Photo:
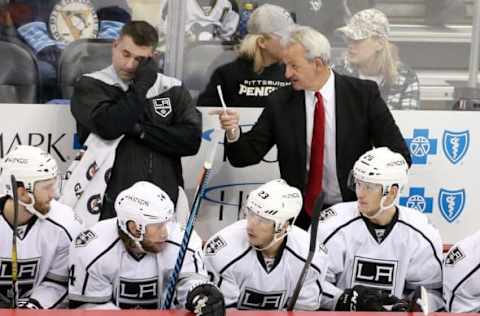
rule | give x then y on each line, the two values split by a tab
145	76
362	298
136	131
206	299
409	303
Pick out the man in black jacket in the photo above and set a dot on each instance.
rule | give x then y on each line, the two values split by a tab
154	113
355	119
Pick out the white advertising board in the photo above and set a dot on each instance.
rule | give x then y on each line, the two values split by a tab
442	181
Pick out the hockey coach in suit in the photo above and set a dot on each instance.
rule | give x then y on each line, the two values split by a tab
321	124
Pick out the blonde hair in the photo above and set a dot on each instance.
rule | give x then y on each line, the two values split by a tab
387	61
388	57
250	49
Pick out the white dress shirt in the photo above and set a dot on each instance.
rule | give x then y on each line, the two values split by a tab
330	181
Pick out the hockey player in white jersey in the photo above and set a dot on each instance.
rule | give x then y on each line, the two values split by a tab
380	253
461	276
43	235
256	262
125	262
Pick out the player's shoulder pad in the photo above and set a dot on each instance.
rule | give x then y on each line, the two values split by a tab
454	256
412	216
227	244
334	217
338	214
299	240
420	223
416	219
214	245
464	250
162	85
92	241
327	213
84	238
64	216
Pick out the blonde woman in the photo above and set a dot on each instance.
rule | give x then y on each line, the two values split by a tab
256	72
372	56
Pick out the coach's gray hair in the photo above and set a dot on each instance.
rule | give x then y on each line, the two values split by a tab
315	43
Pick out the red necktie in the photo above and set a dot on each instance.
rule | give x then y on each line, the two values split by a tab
315	175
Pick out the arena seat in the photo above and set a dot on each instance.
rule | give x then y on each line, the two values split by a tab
81	57
19	75
200	62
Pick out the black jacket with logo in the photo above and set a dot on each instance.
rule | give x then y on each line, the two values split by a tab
171	128
241	86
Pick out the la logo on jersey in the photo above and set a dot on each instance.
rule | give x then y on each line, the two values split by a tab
84	238
256	299
325	214
136	293
162	106
27	273
214	246
454	256
376	273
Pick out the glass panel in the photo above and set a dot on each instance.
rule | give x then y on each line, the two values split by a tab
427	58
432	38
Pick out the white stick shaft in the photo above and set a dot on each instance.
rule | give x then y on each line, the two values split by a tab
211	154
220	95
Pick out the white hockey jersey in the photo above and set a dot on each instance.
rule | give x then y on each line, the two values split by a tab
407	256
102	271
461	276
42	252
241	274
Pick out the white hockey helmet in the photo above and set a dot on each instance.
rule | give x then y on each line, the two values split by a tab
29	165
276	201
143	203
381	166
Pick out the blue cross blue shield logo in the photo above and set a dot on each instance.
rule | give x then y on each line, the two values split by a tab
451	203
455	145
421	145
416	199
207	135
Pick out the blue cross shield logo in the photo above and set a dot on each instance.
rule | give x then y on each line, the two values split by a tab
455	145
421	146
451	203
416	199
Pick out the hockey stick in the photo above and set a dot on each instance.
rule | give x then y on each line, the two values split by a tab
200	191
311	252
424	300
14	242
